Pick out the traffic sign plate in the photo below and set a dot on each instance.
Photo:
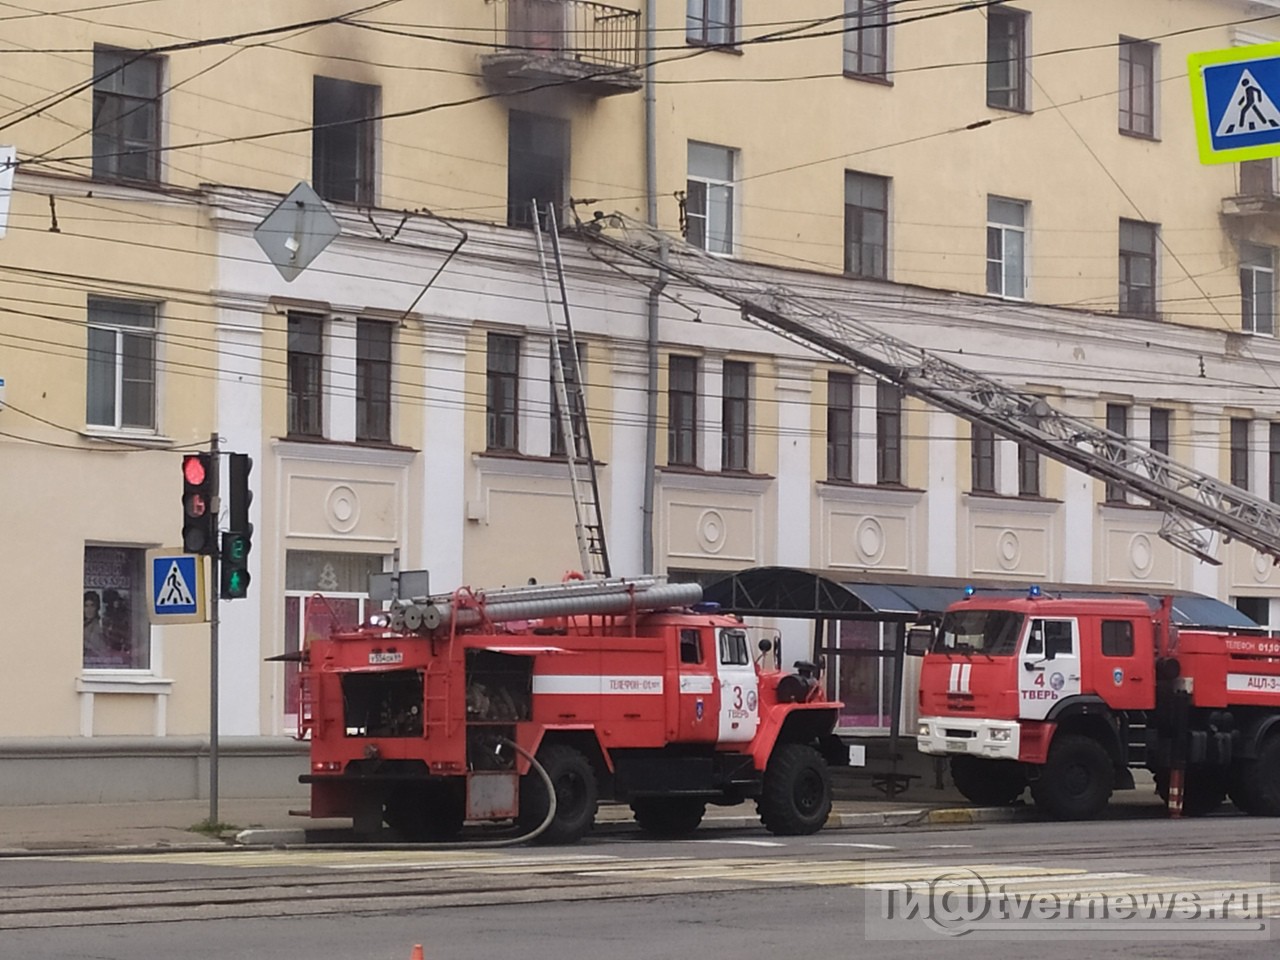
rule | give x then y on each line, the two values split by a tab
1235	100
175	584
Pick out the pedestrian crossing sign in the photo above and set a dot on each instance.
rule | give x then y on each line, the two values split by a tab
175	584
1235	101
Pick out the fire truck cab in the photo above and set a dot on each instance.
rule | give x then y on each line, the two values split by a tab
1067	695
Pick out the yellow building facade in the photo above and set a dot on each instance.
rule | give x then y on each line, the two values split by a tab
1014	186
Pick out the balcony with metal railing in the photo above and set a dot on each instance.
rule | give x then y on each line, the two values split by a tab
588	47
1258	193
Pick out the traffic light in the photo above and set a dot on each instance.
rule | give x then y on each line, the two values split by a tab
233	579
233	575
199	519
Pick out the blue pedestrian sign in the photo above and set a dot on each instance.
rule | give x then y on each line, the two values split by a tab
175	584
1235	100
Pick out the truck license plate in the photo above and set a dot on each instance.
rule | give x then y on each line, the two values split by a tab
962	746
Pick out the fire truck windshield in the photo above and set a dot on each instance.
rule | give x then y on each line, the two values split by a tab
994	633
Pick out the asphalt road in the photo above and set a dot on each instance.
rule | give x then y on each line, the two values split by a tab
1137	887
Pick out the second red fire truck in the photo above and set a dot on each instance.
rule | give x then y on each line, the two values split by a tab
1065	696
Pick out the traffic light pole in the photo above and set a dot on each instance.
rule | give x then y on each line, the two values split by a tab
214	604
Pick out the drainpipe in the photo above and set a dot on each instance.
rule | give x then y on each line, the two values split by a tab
651	214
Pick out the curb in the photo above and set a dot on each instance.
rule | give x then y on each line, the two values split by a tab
955	815
838	821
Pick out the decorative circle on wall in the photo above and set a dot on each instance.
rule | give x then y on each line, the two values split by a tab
1142	556
869	540
342	508
711	531
1262	567
1008	550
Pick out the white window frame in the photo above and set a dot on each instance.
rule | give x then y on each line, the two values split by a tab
1005	232
99	325
724	237
1251	276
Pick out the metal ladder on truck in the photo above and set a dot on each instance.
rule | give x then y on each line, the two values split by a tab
1197	506
571	404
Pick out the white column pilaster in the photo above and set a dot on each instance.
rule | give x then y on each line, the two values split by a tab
445	455
626	458
242	622
795	463
711	428
340	379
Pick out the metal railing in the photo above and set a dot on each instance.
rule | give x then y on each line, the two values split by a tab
575	30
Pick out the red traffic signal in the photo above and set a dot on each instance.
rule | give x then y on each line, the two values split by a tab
199	487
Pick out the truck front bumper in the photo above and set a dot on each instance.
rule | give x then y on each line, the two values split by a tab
992	739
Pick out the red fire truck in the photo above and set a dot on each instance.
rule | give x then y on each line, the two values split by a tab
1067	695
619	689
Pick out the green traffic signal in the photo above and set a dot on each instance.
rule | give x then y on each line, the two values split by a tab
237	584
233	579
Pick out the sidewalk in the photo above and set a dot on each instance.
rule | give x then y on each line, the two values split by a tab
168	824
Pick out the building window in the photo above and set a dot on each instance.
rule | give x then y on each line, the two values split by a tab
888	433
866	35
342	140
1028	471
306	375
537	166
121	368
1240	453
735	451
1007	58
502	393
709	197
373	380
1258	178
1161	430
117	633
126	114
711	22
573	372
1257	288
866	225
1138	268
682	411
1137	88
1117	423
982	457
324	593
1006	248
840	423
1273	462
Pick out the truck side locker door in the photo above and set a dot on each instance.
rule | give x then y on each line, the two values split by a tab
698	706
1049	670
739	693
1123	664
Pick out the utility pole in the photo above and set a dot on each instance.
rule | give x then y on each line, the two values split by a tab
214	603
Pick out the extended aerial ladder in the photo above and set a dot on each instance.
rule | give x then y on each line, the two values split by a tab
1196	505
571	406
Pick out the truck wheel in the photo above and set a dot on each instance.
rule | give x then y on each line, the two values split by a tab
1075	783
1204	789
989	783
668	816
427	811
796	798
577	796
1260	781
1240	782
